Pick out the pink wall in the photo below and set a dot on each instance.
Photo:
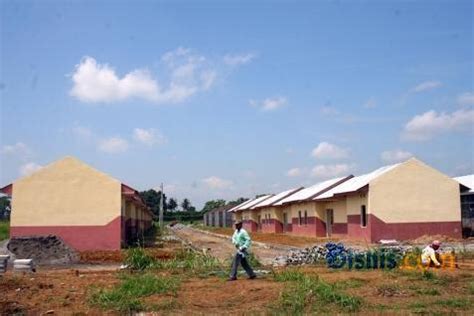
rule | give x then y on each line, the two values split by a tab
81	238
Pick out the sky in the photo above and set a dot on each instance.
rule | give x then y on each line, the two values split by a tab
223	99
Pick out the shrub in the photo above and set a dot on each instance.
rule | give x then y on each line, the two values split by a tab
138	259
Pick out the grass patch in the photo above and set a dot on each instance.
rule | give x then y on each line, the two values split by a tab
470	288
125	297
427	291
289	275
309	292
459	303
4	230
137	259
351	283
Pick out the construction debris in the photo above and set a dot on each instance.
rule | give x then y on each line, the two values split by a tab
42	249
24	265
4	263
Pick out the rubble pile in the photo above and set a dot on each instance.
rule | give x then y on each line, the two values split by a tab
311	255
42	249
331	253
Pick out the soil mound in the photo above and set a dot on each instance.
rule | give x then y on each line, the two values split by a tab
42	249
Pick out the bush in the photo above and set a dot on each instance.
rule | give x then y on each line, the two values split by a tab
4	230
138	259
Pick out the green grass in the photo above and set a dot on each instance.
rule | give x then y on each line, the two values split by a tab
125	297
471	288
4	230
459	303
427	291
310	292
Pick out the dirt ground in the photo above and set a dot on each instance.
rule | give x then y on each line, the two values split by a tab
277	239
64	292
222	248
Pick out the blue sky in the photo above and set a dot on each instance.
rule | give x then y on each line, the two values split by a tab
228	99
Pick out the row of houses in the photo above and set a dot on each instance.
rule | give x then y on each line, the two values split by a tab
400	201
88	209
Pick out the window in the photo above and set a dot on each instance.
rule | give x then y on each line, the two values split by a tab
305	217
363	216
299	217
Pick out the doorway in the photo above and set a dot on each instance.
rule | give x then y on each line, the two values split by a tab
285	222
259	222
329	222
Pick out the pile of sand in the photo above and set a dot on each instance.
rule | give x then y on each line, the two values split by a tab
42	249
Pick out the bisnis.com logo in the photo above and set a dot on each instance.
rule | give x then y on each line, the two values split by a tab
386	260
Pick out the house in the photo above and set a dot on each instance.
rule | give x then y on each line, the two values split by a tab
306	214
275	220
248	217
219	217
88	209
401	201
467	204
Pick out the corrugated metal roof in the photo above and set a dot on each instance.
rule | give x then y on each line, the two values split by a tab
240	205
355	183
277	198
310	192
254	202
467	181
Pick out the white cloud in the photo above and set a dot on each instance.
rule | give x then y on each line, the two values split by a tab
426	86
370	103
269	104
214	182
113	145
29	168
148	136
425	126
18	149
330	171
294	172
237	60
99	83
326	150
466	99
329	110
395	156
82	132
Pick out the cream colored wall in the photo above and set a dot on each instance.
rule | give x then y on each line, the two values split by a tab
310	207
274	213
237	217
339	210
67	192
414	192
354	203
249	215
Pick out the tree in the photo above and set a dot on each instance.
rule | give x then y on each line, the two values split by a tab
212	204
172	205
5	207
152	200
186	205
238	201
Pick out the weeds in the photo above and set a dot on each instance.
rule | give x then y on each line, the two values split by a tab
289	275
125	296
4	230
471	288
460	303
138	259
306	290
427	291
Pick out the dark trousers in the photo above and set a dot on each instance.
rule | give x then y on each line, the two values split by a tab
239	259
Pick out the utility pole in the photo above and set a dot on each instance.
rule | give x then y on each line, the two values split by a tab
160	217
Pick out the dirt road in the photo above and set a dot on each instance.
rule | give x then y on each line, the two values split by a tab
222	248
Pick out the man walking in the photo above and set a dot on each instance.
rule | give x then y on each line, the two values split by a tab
241	241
